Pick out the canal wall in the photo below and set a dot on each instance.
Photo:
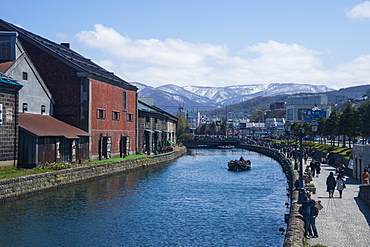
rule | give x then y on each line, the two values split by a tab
20	187
364	193
294	234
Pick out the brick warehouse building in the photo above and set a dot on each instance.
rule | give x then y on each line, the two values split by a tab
8	121
86	95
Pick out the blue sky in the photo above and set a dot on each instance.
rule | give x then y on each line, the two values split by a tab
210	42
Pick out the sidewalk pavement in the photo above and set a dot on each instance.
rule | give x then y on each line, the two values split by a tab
343	221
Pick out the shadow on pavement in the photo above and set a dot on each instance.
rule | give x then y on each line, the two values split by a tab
364	209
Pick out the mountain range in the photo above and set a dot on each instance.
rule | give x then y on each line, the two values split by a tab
171	98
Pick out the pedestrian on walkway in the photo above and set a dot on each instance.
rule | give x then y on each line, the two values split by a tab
314	212
313	165
365	177
309	217
330	184
341	169
340	184
305	155
306	216
318	168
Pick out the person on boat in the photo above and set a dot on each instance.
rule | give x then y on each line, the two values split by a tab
241	158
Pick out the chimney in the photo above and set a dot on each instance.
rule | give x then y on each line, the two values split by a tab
66	45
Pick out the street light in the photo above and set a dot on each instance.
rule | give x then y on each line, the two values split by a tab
300	135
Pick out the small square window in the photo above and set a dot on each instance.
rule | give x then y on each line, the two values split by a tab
25	76
130	117
101	114
24	107
115	115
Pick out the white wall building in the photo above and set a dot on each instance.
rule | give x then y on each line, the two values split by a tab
307	107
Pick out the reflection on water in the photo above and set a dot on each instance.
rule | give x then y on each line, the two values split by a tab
194	201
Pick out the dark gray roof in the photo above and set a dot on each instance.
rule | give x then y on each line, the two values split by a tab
69	56
153	109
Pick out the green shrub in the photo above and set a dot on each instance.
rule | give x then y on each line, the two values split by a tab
56	166
186	136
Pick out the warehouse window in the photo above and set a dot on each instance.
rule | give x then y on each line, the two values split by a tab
115	115
124	100
101	114
130	117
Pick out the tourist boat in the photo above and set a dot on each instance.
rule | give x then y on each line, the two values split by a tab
226	147
239	165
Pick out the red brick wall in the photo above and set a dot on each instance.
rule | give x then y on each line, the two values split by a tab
62	82
110	98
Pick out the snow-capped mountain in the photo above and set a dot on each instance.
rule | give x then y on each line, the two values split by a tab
170	97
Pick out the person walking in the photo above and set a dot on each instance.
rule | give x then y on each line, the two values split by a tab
365	177
340	184
341	169
318	168
306	212
313	212
330	184
313	166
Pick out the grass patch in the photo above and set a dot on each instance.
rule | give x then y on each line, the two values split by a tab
326	148
50	167
14	172
115	159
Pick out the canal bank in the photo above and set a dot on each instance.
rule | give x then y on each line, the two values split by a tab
294	232
16	188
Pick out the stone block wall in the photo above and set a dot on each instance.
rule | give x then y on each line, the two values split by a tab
8	128
364	193
294	234
15	188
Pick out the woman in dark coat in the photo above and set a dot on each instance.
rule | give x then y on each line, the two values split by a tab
330	184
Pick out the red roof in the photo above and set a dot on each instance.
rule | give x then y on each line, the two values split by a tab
44	125
5	66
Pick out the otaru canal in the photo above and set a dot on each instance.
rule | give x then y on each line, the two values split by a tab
194	201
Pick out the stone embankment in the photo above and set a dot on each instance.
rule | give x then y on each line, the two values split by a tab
295	226
16	188
364	193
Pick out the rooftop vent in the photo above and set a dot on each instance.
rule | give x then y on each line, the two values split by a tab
66	45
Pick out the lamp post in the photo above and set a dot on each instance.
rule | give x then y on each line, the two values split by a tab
300	135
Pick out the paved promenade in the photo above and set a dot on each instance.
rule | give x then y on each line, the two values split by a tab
343	221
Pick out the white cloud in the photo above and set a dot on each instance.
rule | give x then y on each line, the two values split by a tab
353	72
171	52
360	11
173	61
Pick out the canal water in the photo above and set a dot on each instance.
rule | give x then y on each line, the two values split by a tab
194	201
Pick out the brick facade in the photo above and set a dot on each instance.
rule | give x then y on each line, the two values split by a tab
118	120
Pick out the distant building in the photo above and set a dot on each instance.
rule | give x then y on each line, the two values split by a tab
156	128
277	105
361	159
307	107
